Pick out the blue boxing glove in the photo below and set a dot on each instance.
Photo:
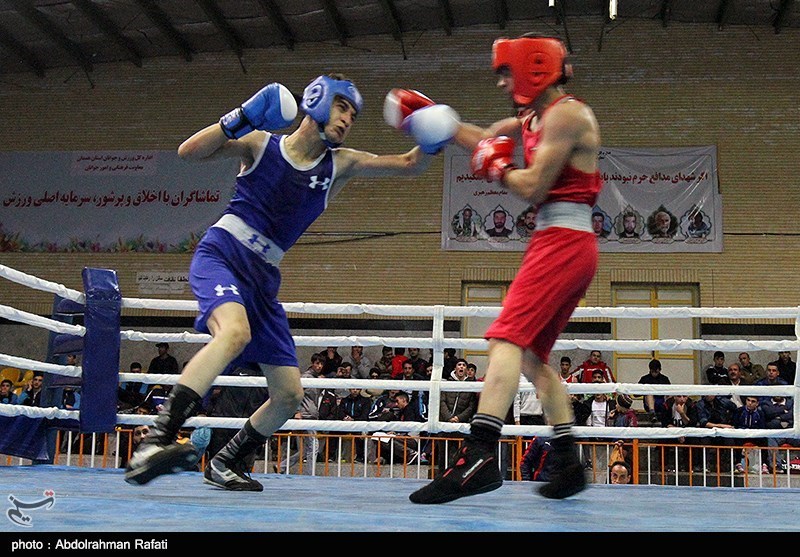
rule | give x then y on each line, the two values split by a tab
432	127
272	108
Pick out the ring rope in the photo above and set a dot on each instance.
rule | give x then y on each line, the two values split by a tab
437	342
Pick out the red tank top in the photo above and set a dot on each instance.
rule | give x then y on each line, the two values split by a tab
572	185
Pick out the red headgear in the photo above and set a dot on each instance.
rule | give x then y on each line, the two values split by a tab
535	63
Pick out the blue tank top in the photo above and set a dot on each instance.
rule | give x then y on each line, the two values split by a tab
279	198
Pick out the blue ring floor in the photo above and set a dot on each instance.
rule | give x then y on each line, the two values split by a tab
99	500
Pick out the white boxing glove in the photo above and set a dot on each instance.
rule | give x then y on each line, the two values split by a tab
400	103
432	127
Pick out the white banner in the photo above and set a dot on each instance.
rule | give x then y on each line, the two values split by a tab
653	200
109	201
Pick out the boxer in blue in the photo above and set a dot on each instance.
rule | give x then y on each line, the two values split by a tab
285	182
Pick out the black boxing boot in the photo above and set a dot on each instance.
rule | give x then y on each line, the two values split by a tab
475	469
568	477
230	467
158	453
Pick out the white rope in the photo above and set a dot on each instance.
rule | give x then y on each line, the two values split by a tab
437	341
37	321
39	284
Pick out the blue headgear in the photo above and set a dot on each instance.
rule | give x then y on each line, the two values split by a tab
318	97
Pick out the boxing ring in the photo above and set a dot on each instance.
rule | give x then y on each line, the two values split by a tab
68	499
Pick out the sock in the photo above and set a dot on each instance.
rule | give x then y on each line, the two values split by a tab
485	431
182	404
246	441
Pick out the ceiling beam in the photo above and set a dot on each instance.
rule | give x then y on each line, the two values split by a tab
21	51
161	20
53	32
274	14
337	20
723	13
782	14
216	16
501	13
446	16
665	13
394	20
109	29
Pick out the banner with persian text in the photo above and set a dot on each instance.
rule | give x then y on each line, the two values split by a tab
109	201
653	200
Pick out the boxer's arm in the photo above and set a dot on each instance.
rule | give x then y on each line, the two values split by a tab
469	135
353	163
211	143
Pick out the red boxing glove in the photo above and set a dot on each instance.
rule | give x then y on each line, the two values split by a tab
400	103
493	157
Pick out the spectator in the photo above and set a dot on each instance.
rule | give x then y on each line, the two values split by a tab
131	394
565	370
361	364
449	363
343	372
7	394
385	444
164	362
535	465
596	411
773	378
332	361
309	408
786	366
472	372
750	372
32	395
455	407
779	414
716	412
385	407
717	373
678	411
397	362
623	415
419	363
385	363
620	472
653	377
750	416
595	362
354	408
527	408
735	379
137	434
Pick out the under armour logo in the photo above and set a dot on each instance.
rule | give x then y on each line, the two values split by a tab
256	242
220	290
326	183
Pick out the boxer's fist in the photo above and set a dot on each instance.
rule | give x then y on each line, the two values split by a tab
432	127
493	157
272	108
400	103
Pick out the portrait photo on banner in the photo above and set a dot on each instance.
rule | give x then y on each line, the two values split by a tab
653	200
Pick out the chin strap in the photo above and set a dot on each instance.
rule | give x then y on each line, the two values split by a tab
324	138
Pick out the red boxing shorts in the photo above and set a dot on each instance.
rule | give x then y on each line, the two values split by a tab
556	271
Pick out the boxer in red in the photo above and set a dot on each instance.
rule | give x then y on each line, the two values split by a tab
561	139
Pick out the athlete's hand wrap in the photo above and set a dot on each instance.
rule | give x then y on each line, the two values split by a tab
272	108
493	157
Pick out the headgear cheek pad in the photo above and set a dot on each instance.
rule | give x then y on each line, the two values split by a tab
318	97
535	63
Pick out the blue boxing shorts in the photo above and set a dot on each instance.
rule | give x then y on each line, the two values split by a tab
223	270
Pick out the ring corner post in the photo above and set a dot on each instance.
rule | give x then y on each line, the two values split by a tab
101	351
